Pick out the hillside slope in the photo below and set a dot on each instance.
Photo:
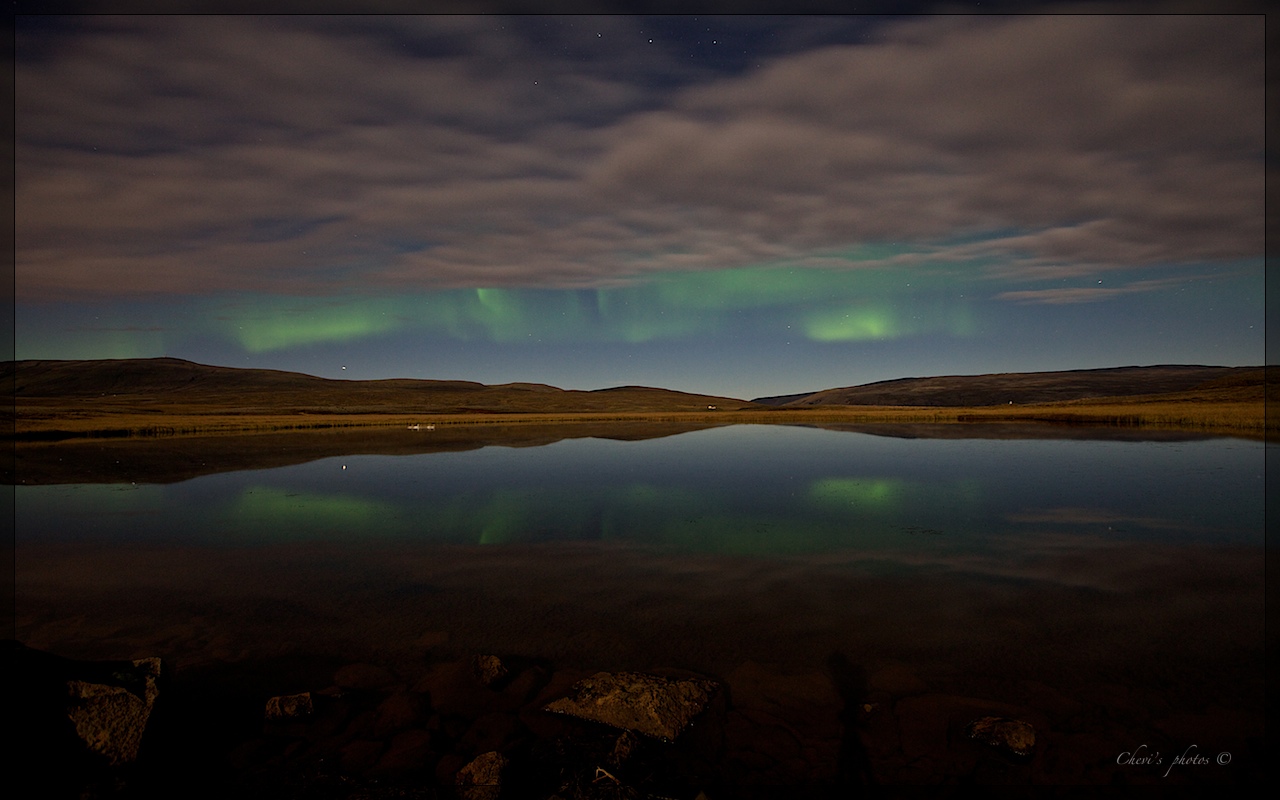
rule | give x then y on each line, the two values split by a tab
170	384
1024	387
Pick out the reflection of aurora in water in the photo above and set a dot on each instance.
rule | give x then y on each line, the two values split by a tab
834	513
295	513
640	513
746	490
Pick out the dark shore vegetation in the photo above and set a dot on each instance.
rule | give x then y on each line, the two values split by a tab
168	397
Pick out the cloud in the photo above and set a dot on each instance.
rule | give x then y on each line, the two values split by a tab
121	328
1093	294
1109	141
1058	297
317	156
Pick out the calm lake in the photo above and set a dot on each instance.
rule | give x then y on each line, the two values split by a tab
1112	588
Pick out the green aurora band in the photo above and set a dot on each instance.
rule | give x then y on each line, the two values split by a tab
858	300
823	305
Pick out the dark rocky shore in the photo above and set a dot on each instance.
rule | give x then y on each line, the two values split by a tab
487	727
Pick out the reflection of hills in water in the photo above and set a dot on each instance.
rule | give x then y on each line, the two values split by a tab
1017	430
173	459
743	490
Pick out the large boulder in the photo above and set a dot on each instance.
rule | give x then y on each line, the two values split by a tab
481	779
110	715
289	707
1012	738
633	701
85	716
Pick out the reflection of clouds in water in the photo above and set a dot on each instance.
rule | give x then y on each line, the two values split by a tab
1087	561
1091	516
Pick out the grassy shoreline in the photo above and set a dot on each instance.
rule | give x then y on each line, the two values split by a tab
172	398
1233	417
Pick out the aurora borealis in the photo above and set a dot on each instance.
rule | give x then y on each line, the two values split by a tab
732	205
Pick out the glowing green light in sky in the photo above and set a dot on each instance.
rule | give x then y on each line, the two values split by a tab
501	313
114	337
263	332
851	304
749	287
855	303
855	325
111	344
635	329
512	315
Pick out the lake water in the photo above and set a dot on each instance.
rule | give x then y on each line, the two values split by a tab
1112	588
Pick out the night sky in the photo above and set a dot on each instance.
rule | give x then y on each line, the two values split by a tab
743	206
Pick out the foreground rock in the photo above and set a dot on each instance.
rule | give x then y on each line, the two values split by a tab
1012	738
289	707
110	712
90	719
445	733
489	670
482	778
633	701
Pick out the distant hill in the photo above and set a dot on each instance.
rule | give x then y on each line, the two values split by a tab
165	383
171	385
1026	387
782	399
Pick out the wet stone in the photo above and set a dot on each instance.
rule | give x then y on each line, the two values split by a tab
633	701
926	723
289	707
1010	737
489	670
481	779
110	718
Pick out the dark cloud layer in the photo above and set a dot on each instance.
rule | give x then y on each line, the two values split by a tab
315	155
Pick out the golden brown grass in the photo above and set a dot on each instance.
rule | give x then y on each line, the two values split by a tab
168	398
1236	407
1232	417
